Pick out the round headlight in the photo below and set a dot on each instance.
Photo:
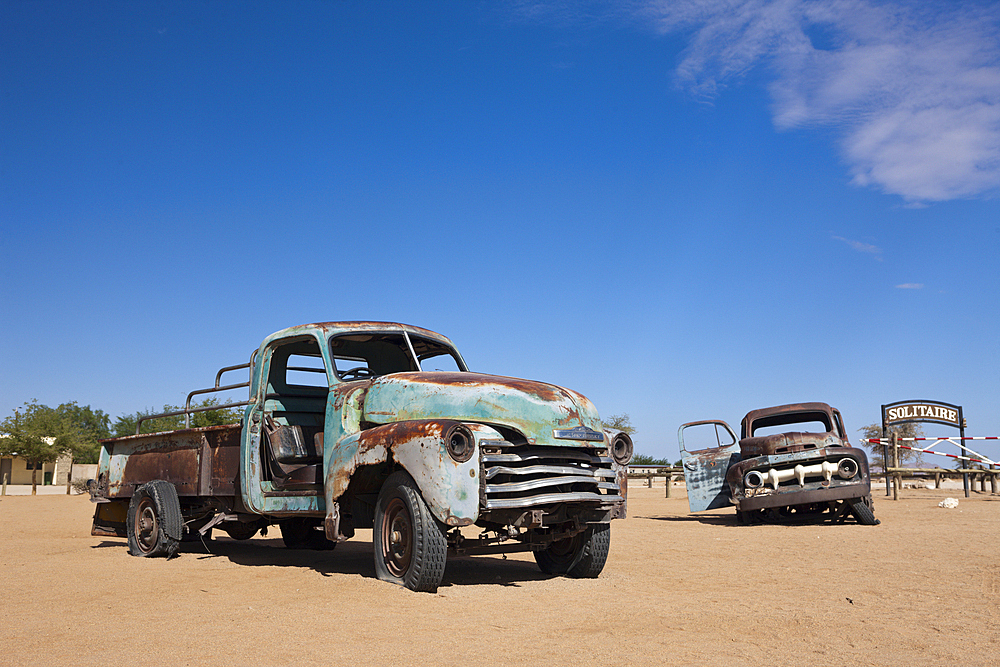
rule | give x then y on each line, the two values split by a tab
621	449
753	480
847	468
460	442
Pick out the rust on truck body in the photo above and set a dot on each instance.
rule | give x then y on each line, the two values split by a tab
198	461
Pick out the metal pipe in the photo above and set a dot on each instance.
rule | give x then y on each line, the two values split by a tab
176	413
218	376
409	344
196	392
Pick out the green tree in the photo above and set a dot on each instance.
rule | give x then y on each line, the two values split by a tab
877	457
620	422
90	426
39	435
647	460
125	424
218	417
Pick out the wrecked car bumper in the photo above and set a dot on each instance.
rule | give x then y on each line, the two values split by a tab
801	478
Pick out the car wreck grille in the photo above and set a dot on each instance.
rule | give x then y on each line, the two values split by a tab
834	469
532	476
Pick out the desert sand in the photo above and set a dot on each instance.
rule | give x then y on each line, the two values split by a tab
920	589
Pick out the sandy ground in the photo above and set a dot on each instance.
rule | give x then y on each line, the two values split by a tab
920	589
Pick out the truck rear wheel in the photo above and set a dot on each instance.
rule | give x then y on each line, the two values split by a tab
154	522
410	546
582	556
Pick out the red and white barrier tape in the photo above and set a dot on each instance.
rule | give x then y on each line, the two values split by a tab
968	437
928	450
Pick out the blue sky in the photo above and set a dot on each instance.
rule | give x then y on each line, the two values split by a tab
684	210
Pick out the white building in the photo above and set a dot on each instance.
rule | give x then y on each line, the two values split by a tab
15	470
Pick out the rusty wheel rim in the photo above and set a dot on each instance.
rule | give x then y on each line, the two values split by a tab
147	525
397	538
563	551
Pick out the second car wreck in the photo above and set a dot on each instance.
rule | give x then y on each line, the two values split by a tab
791	463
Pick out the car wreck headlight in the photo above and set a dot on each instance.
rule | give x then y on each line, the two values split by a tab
753	479
460	443
847	468
621	449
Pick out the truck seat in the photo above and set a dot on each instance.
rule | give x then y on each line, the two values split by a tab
294	454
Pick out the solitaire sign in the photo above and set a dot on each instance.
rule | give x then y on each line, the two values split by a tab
922	412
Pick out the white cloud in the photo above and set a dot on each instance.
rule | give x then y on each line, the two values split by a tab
862	247
912	87
910	286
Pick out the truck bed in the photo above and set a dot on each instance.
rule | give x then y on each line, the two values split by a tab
198	462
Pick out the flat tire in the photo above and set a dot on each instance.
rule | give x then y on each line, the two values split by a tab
410	544
154	523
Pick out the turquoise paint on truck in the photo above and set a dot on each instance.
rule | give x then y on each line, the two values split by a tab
533	408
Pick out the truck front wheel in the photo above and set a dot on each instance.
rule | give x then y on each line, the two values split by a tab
582	556
154	521
410	546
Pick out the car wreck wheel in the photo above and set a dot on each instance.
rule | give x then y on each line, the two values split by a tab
863	510
582	556
154	523
410	545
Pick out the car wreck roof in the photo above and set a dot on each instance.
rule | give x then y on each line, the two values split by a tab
754	415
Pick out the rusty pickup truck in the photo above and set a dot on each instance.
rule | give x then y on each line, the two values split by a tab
792	463
353	425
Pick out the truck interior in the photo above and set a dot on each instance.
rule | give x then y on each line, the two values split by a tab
294	413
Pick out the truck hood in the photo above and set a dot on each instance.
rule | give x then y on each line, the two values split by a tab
533	408
787	443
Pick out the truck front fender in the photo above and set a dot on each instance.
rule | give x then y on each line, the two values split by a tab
449	487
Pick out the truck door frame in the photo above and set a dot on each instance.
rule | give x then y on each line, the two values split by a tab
705	469
256	497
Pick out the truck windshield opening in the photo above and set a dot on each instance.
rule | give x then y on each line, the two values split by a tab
365	355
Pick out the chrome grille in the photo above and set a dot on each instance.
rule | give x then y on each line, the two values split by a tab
531	476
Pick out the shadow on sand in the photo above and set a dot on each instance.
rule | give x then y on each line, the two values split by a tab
351	557
708	519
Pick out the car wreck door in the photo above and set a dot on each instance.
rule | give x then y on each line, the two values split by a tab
705	465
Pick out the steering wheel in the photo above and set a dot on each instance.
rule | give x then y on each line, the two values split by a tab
358	373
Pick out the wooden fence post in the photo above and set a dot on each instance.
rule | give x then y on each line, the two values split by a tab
670	480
